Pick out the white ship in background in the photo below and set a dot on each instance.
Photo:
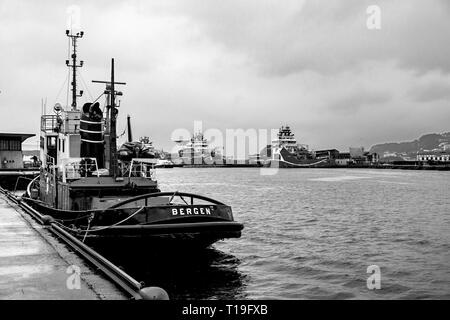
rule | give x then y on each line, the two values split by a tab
195	150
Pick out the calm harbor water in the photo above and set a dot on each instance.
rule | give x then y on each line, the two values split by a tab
312	233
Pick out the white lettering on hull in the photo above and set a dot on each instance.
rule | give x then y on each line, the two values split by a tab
191	211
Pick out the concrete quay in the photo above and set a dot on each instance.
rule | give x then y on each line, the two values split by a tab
34	265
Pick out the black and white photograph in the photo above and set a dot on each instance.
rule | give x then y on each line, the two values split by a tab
223	154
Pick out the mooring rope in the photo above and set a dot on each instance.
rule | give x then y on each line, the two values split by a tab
89	224
75	219
103	228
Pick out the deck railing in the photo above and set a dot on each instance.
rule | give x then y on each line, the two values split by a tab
139	167
76	168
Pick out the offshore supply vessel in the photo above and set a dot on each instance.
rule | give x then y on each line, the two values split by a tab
197	151
88	190
285	152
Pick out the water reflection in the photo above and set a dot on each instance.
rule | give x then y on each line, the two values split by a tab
205	274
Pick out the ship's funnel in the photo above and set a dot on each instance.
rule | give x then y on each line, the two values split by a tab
92	142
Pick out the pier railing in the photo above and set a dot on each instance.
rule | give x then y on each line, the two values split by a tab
75	168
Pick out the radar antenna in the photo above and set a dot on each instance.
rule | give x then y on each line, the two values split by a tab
74	66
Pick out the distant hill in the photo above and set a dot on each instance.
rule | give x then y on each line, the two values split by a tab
409	149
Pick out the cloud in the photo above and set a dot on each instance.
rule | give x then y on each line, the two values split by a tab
238	64
431	87
328	36
353	102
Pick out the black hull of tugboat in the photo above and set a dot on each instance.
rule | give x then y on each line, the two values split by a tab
184	227
182	236
165	238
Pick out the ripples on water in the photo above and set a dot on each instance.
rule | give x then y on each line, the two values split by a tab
312	233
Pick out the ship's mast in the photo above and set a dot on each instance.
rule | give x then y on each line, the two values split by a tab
112	109
113	133
74	66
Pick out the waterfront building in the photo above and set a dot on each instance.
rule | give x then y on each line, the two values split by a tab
14	173
326	154
442	156
360	157
372	157
11	155
343	159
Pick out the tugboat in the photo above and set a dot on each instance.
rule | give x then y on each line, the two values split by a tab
100	199
285	152
137	149
142	149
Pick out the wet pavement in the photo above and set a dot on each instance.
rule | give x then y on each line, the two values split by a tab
35	265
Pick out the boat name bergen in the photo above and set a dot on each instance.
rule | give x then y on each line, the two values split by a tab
191	211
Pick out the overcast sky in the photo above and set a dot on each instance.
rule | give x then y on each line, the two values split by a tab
239	64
